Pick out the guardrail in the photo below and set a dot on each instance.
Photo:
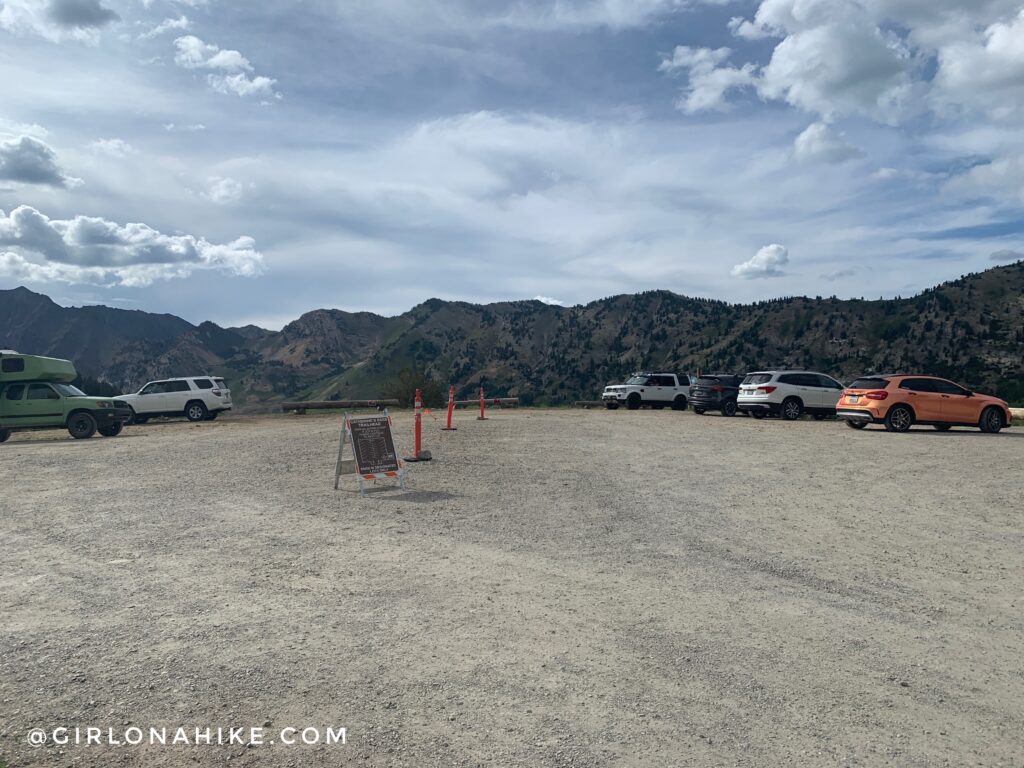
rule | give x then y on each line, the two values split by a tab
325	405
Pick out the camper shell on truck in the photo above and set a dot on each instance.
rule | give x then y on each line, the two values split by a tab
36	393
15	367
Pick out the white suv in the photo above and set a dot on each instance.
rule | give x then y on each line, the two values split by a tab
197	398
789	394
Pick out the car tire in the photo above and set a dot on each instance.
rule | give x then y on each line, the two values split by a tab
112	431
5	435
792	408
633	402
729	409
195	410
698	411
680	403
612	406
757	414
991	421
942	427
81	425
856	424
899	419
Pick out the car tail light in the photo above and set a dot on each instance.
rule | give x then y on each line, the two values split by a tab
880	394
767	390
216	392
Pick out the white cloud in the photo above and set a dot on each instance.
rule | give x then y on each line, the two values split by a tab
767	262
113	147
92	250
57	20
14	128
872	57
193	128
819	143
709	83
837	69
179	24
27	160
229	69
223	190
986	73
549	300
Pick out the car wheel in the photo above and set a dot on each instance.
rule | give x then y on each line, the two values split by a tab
612	406
699	411
633	402
899	419
991	421
81	425
113	430
757	414
941	427
856	424
729	409
679	404
792	409
5	435
196	411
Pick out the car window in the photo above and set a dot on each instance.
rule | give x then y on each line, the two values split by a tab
947	387
828	382
708	380
12	364
757	378
14	392
918	385
869	383
220	383
203	383
41	392
153	388
177	386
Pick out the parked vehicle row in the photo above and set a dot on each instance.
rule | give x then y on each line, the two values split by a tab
36	393
897	402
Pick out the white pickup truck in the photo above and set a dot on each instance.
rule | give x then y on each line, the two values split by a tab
653	389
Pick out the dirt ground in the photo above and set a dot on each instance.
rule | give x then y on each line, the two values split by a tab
557	588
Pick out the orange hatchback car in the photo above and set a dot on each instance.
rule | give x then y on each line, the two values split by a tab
900	402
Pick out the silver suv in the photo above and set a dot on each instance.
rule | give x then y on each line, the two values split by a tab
197	398
789	394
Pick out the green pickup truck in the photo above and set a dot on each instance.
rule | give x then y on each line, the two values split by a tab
36	393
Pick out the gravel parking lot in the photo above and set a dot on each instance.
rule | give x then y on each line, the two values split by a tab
557	588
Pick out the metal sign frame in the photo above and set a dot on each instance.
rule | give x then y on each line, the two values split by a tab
350	466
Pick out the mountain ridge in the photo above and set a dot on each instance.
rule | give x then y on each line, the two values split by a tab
970	329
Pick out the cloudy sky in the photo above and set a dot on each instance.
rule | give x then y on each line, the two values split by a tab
247	162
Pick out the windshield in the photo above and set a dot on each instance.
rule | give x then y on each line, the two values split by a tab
758	378
68	391
637	380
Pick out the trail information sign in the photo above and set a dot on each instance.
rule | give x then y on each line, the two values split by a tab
373	449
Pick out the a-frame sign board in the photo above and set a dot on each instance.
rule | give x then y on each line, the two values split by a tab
373	451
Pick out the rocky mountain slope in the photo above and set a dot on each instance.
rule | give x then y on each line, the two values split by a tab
971	330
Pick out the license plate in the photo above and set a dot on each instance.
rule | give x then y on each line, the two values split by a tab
852	398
